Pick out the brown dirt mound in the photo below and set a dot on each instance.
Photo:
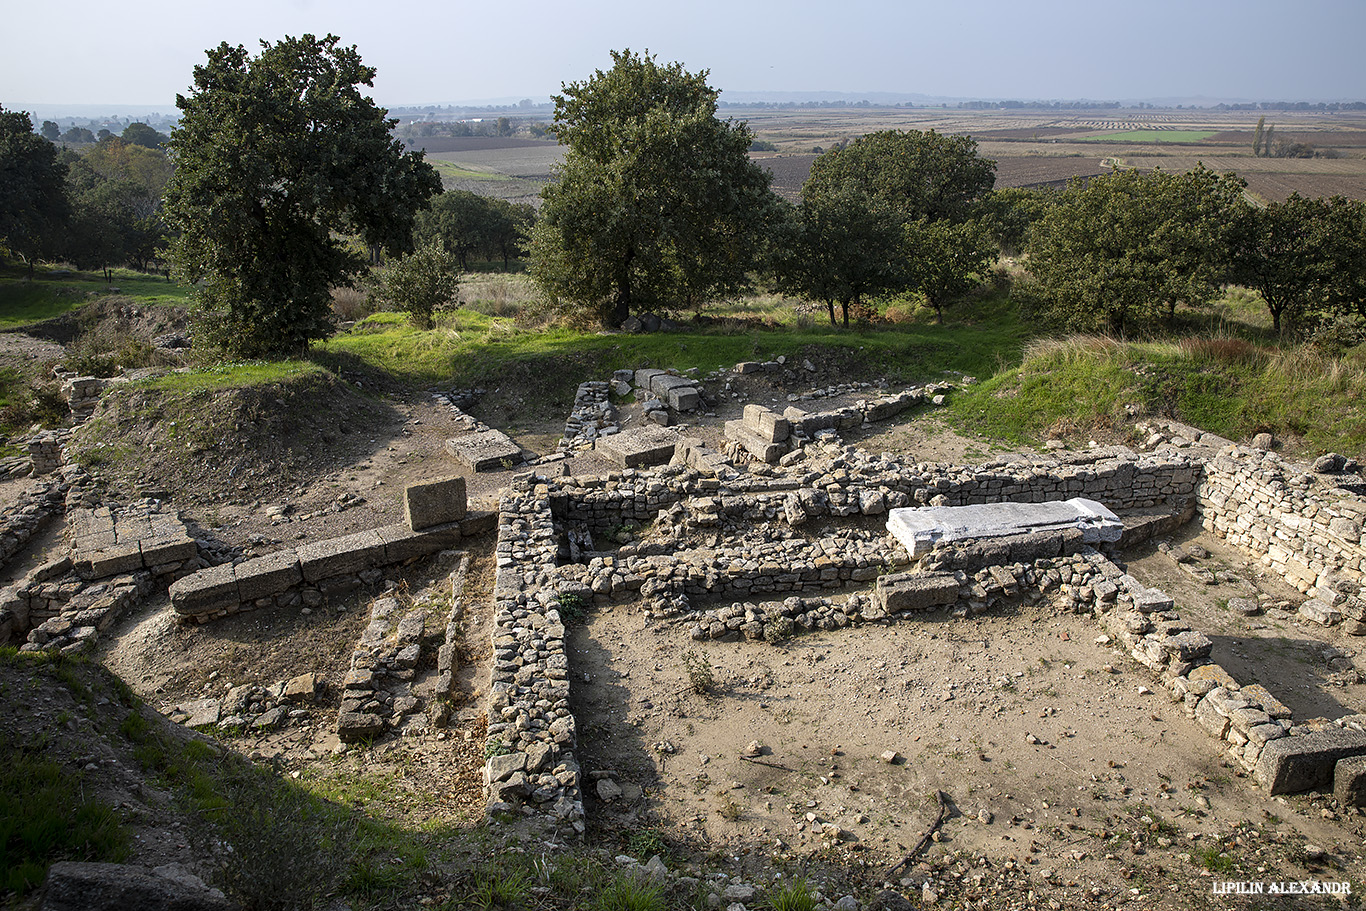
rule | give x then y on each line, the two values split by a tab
208	445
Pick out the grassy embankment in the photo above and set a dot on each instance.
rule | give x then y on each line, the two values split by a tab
1225	373
52	292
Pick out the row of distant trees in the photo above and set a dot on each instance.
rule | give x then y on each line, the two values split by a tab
95	209
289	182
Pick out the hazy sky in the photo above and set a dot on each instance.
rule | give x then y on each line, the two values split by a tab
142	52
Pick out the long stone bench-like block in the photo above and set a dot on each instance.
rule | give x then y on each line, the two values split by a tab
484	451
162	550
262	577
916	591
341	556
921	529
1293	764
114	559
402	544
479	523
205	591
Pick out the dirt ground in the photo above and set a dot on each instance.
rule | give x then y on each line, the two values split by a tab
1067	779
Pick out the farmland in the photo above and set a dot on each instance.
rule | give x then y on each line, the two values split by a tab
1031	149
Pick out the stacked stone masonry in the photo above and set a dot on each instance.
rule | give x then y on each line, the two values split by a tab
532	773
315	572
1309	527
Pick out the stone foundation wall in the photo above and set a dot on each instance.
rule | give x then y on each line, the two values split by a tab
855	483
532	773
313	572
26	516
1296	521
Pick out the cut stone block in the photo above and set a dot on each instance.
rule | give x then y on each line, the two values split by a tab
767	425
205	591
755	445
662	383
110	561
639	447
485	450
746	367
645	375
1349	782
174	550
1304	761
916	591
478	523
344	556
265	576
434	503
684	398
921	529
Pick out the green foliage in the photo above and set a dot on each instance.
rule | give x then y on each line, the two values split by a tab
1306	257
465	223
140	134
792	895
887	214
915	174
33	205
277	157
498	886
701	676
572	607
657	204
45	817
838	247
1007	213
629	891
421	282
1118	253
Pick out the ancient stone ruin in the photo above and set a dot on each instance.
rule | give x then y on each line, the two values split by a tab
783	530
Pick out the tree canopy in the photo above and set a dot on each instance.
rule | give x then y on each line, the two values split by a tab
1306	257
915	174
33	203
657	204
889	213
278	157
1121	250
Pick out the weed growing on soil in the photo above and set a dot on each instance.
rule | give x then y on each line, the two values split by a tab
794	895
628	891
700	674
572	608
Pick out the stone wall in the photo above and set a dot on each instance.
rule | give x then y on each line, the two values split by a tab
37	505
846	482
314	572
1303	524
532	773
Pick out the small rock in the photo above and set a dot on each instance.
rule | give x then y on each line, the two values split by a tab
891	757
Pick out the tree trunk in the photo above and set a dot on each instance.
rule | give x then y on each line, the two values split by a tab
622	305
830	305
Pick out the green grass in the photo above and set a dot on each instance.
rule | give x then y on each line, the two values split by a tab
1152	136
469	347
234	375
1229	386
45	816
53	292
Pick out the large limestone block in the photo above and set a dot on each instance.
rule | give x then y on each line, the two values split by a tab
1304	761
486	450
638	447
263	577
341	556
205	591
916	591
767	425
921	529
432	503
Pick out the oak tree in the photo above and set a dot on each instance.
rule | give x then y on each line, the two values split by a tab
280	157
657	204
